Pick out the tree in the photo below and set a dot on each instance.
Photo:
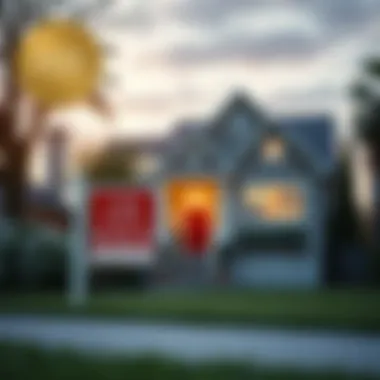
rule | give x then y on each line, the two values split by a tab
111	166
343	224
17	15
366	93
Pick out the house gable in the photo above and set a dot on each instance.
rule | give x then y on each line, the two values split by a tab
294	160
316	134
193	152
235	128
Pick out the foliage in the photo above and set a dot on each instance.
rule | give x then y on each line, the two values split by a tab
17	15
111	166
343	230
32	258
367	97
345	221
372	66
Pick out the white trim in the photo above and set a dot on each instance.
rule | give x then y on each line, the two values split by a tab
121	257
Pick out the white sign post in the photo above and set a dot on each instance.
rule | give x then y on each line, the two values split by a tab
78	266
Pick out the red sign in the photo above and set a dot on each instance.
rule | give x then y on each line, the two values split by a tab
121	221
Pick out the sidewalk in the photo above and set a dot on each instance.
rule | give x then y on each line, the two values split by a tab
298	349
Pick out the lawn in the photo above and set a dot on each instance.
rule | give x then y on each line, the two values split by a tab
339	309
20	363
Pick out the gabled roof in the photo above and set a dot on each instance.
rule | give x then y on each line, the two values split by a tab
187	138
311	137
187	126
152	145
316	134
273	129
238	101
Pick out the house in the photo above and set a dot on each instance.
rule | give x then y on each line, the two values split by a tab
264	186
258	186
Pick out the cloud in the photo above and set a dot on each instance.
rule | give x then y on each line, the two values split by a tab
212	12
161	100
270	30
245	48
344	16
130	16
312	94
193	32
267	34
338	14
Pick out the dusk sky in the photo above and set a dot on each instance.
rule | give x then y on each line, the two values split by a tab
173	59
180	58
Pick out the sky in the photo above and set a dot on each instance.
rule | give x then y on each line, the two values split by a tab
173	59
169	60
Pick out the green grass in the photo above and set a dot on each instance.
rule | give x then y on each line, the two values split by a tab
338	309
22	362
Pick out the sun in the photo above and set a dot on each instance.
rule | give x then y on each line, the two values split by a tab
58	62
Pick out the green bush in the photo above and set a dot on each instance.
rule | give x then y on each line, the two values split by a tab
33	257
43	264
11	252
375	265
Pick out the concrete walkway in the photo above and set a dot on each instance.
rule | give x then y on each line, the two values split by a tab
302	349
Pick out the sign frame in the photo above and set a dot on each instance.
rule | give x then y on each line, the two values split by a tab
140	257
79	259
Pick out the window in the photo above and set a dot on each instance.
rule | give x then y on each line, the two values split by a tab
275	202
147	164
185	194
273	149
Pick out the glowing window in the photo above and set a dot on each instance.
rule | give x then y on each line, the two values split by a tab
273	149
147	164
186	194
275	202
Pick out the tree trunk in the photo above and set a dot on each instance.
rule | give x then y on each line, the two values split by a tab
16	186
376	227
14	173
14	149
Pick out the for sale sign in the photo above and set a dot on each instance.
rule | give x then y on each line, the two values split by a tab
121	225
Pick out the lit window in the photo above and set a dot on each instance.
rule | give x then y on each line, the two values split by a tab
275	202
183	195
147	164
273	149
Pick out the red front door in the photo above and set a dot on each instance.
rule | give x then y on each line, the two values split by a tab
196	233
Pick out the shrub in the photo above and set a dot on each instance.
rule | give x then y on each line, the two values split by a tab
32	257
